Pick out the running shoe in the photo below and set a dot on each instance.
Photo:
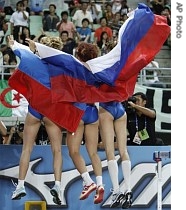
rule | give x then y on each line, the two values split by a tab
56	193
98	198
18	193
127	201
116	199
87	190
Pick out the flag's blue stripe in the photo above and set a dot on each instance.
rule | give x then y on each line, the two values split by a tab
68	66
34	67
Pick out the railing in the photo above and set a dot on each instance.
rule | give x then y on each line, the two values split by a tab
2	69
155	77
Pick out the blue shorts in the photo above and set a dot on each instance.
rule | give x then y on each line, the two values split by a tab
35	113
90	115
116	109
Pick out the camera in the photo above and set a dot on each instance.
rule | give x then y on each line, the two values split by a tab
127	106
21	127
132	99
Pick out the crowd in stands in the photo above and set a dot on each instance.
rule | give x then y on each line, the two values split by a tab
72	22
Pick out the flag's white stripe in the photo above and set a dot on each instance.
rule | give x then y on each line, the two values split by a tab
107	60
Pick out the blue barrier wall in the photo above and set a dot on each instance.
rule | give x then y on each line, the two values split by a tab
40	179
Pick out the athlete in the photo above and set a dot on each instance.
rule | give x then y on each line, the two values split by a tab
113	123
89	128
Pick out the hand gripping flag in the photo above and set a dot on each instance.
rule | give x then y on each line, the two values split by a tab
140	39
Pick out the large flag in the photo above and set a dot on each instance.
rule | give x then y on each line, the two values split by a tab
140	39
58	78
12	103
33	82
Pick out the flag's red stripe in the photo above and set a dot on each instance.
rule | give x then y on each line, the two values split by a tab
39	97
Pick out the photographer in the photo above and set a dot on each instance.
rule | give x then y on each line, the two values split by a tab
16	134
140	120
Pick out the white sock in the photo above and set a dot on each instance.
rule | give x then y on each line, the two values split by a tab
113	171
58	183
99	180
126	169
20	183
86	178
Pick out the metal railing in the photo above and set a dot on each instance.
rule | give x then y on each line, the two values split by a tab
2	70
162	79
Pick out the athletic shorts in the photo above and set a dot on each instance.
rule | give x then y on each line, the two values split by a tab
35	113
116	109
90	115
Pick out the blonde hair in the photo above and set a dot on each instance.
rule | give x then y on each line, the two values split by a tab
52	41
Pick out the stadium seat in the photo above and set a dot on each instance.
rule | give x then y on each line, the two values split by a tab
35	205
35	24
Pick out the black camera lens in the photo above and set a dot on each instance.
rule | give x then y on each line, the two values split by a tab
132	99
21	127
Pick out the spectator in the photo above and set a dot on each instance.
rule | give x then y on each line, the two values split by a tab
73	6
18	19
104	43
24	34
3	132
7	52
8	10
124	17
36	7
84	32
103	27
140	121
3	29
116	22
26	6
16	134
68	44
107	13
50	20
157	6
116	6
124	8
167	13
66	25
95	10
81	14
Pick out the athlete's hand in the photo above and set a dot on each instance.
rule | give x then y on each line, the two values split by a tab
31	44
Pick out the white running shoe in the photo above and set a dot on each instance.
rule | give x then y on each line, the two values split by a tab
116	199
18	193
56	193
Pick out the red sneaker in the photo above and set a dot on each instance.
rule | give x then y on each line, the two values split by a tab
87	190
98	198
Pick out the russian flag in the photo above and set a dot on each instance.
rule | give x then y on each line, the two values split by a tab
51	83
32	79
114	74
